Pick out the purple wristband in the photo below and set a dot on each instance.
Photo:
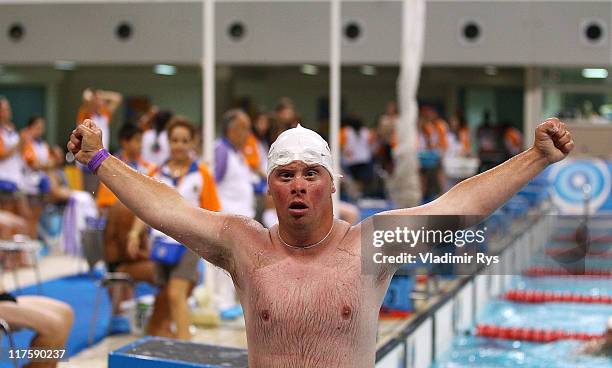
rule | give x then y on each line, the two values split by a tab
97	160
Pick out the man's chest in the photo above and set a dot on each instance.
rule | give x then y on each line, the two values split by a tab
316	297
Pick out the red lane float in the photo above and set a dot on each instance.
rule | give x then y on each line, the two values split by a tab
531	334
539	296
538	271
421	279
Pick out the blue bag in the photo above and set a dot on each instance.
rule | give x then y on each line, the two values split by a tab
167	253
44	186
7	186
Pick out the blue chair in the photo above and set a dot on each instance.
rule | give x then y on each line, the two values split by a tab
6	330
398	297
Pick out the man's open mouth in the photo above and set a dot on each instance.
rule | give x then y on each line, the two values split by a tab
297	206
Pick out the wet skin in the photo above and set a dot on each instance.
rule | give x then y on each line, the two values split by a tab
305	307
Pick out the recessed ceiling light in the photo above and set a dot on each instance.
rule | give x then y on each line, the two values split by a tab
164	69
65	65
491	70
309	69
595	73
368	70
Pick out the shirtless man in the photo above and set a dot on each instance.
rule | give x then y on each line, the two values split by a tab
306	301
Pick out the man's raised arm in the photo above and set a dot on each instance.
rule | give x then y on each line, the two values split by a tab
155	203
482	194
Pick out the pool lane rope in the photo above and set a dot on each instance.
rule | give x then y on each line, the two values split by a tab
561	251
562	272
539	296
531	334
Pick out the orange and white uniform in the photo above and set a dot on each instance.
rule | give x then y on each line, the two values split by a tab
465	140
251	153
356	145
428	138
155	147
513	140
234	180
35	151
196	186
387	131
459	143
105	198
442	131
102	120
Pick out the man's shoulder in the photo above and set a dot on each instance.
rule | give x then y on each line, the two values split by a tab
238	224
349	235
248	234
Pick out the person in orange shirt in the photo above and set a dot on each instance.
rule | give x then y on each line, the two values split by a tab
460	134
257	162
130	139
513	139
99	106
36	152
119	222
356	152
251	154
432	144
176	275
435	126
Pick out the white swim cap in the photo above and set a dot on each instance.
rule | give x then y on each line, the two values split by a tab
299	144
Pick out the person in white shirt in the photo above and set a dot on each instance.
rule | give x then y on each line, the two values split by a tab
235	188
155	146
11	163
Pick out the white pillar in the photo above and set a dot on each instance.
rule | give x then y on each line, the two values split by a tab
208	80
533	98
334	90
208	107
404	185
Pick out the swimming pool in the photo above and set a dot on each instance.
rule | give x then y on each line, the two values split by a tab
577	285
479	352
578	317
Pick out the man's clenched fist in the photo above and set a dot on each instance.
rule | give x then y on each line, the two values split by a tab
553	140
85	141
